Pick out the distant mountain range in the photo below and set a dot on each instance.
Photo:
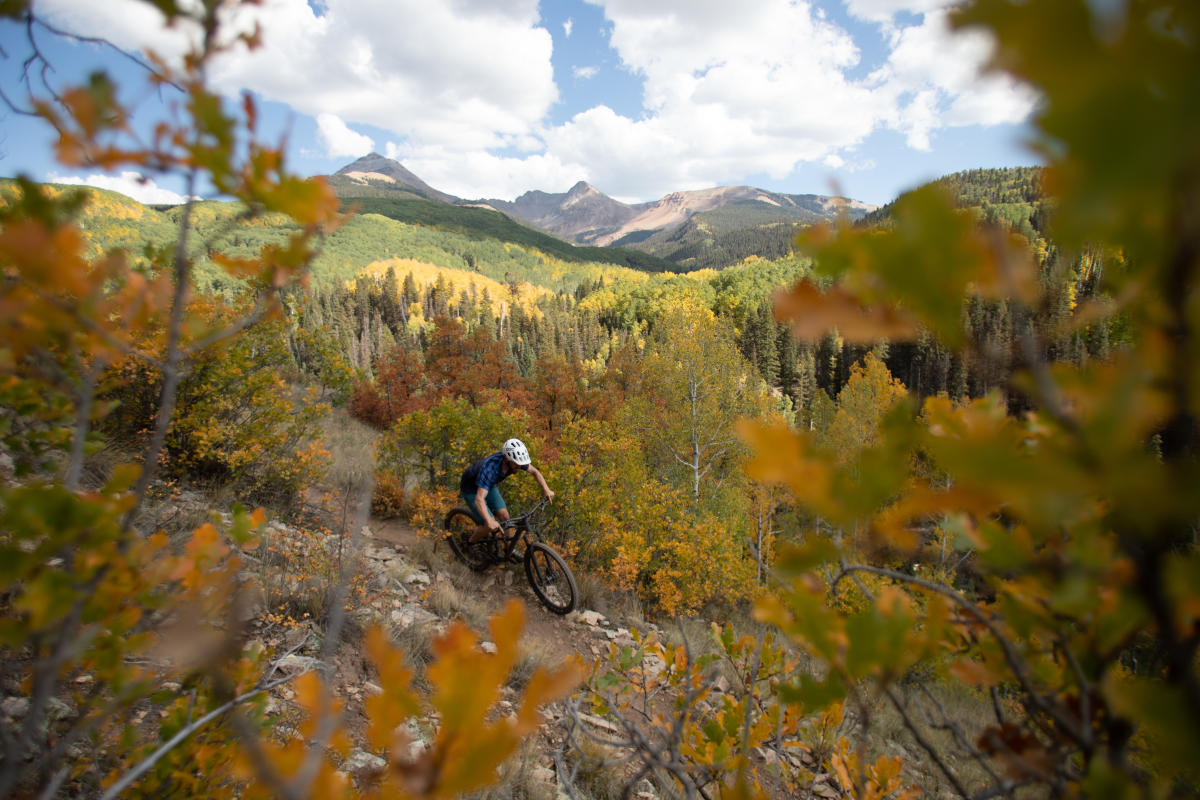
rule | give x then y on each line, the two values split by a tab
700	228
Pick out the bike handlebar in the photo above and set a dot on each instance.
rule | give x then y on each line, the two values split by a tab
512	522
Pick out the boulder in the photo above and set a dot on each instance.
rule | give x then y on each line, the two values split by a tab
15	707
294	664
411	614
593	618
252	601
362	761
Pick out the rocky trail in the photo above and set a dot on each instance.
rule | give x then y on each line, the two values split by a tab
415	590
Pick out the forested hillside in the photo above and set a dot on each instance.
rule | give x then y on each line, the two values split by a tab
928	480
481	223
1013	195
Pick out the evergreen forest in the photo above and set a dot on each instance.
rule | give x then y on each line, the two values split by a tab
882	508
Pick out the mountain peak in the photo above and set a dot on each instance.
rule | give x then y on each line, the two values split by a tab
583	187
376	167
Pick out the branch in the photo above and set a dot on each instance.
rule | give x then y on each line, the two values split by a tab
261	309
171	356
1011	657
147	763
103	43
924	743
979	757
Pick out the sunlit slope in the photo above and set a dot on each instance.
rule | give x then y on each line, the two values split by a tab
454	282
1014	195
486	223
113	221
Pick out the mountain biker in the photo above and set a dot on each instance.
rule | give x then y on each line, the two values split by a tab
480	486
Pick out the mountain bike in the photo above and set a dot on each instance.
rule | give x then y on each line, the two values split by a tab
519	540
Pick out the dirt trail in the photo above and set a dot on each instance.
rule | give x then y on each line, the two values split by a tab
551	635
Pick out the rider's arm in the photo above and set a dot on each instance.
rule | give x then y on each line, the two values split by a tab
545	489
482	507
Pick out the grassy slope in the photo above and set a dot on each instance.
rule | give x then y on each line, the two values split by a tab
112	220
482	223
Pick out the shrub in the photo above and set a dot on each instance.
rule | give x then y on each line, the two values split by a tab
390	500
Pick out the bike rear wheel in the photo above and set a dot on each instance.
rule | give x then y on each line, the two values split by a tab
550	578
460	526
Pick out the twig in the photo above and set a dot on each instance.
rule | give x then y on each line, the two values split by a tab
103	43
147	763
1011	656
924	743
171	357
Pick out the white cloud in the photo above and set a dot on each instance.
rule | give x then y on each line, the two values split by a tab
726	94
567	26
768	88
130	184
933	79
486	175
339	140
466	87
462	74
883	11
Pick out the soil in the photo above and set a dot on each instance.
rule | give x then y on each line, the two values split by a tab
545	631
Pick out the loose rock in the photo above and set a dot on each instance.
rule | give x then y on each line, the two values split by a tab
361	760
15	707
412	614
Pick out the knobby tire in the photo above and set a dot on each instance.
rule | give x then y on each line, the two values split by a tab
459	527
550	578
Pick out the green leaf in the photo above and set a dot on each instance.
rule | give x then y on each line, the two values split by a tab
813	694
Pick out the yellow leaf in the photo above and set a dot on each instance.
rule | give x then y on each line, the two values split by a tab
813	313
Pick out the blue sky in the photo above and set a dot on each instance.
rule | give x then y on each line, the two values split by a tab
490	98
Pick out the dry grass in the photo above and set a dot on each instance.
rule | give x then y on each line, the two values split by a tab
350	475
416	642
933	704
351	446
518	780
534	654
428	553
597	770
450	602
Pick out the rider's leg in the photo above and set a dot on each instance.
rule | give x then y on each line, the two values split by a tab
495	504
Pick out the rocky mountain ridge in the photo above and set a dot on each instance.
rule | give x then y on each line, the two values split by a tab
584	215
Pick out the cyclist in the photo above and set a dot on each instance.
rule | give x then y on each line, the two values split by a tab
480	486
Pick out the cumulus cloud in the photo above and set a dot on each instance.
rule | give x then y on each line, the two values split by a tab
486	175
464	74
467	87
726	94
883	11
339	140
767	87
130	184
933	79
567	26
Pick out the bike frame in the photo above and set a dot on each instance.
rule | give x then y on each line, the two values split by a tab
520	529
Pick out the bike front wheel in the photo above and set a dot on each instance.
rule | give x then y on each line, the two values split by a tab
460	526
550	578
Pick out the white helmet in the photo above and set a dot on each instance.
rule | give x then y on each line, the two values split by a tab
516	450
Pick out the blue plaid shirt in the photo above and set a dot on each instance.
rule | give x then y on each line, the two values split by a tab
483	474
